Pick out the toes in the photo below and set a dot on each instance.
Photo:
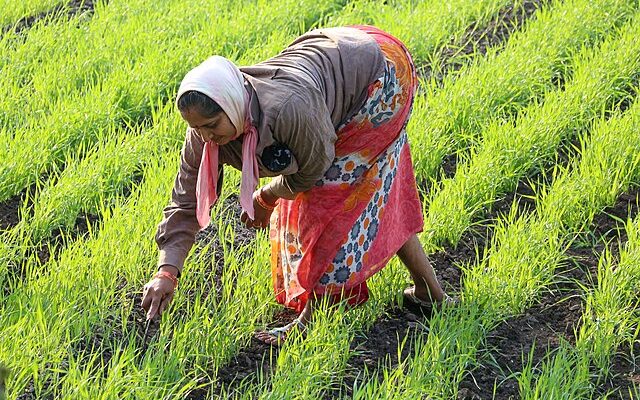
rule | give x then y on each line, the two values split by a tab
267	338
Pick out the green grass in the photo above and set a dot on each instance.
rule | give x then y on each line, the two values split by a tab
71	327
13	11
503	82
512	150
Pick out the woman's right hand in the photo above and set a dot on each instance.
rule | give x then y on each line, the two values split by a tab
158	292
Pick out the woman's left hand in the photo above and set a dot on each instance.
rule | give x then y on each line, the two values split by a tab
261	214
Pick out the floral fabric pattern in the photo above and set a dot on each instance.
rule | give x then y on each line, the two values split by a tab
333	237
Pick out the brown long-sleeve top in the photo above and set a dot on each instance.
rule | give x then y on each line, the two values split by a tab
298	100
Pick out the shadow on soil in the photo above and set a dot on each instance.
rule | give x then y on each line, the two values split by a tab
70	9
556	317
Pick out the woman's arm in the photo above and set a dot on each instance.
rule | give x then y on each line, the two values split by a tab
176	232
304	126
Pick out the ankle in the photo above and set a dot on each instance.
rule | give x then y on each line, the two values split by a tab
423	293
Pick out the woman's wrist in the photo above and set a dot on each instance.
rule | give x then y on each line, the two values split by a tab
169	276
170	269
268	196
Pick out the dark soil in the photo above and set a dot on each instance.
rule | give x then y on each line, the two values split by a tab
70	9
625	373
248	364
479	38
556	317
208	248
53	246
377	348
9	212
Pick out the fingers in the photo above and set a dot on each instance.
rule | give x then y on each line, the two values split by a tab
244	217
156	296
153	310
165	302
146	299
261	221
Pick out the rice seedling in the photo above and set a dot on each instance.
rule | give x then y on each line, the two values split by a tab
512	150
500	84
12	12
73	328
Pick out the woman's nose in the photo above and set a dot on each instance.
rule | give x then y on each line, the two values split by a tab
204	135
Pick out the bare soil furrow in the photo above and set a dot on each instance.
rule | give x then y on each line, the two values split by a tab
556	317
70	9
479	38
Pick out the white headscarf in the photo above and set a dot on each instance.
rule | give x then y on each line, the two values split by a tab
222	81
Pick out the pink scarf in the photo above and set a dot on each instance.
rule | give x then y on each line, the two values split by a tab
222	81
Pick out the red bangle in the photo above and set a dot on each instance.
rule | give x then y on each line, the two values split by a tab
168	275
263	203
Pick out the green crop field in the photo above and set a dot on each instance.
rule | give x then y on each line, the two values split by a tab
525	137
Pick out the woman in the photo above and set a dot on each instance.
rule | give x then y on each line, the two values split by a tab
326	118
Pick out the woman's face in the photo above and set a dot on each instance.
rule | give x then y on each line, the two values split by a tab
218	128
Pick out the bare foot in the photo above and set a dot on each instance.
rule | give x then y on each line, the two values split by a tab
277	336
422	298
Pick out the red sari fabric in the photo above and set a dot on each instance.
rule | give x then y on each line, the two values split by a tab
331	238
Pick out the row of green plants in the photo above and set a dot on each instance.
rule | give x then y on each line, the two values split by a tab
512	150
506	280
42	222
610	163
609	322
85	187
503	82
208	307
13	12
126	359
334	366
80	130
80	53
515	270
126	94
93	268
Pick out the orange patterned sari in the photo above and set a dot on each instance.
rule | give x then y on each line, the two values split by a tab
331	238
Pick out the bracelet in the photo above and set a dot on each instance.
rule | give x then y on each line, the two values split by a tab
167	275
263	203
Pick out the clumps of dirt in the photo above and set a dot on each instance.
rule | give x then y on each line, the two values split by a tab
507	347
624	374
255	360
104	335
556	318
30	391
378	347
70	9
9	212
10	208
479	38
60	236
208	249
50	248
447	261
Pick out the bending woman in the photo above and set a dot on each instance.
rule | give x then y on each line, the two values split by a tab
327	119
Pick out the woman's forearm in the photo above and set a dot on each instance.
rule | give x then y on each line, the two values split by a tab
268	195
